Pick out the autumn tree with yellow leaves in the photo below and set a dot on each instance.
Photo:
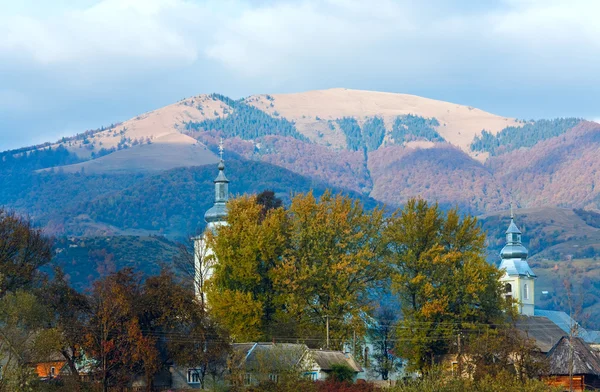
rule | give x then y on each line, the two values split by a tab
287	273
446	286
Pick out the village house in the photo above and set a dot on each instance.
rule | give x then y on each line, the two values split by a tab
252	363
573	363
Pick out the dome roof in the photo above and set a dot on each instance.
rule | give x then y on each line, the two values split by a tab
514	251
216	213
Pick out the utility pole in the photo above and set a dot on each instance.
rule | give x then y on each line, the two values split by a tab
459	356
327	327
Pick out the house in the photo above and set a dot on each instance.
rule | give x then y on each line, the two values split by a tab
318	364
573	356
256	362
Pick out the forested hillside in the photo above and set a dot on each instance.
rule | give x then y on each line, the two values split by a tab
527	135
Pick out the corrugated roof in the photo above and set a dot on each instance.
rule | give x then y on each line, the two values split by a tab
545	333
326	359
565	322
270	356
516	267
584	359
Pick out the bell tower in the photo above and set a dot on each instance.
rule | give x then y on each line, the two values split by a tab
204	257
518	279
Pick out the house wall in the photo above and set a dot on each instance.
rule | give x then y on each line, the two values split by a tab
183	378
44	369
563	382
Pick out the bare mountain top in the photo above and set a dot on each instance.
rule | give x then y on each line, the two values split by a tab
166	152
311	110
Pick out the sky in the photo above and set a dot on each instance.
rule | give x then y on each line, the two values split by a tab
71	65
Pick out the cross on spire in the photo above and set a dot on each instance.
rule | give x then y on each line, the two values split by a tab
512	215
221	148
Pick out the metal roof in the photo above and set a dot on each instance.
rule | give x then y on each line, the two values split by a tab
517	267
541	329
512	228
565	322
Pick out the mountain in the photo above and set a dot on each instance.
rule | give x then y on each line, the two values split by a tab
384	146
118	196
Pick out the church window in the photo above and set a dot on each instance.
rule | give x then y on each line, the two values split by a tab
508	288
526	291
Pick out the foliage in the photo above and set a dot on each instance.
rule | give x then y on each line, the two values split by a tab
248	248
382	335
16	162
351	129
370	137
409	127
246	121
503	382
442	278
373	133
341	373
22	317
498	350
68	313
296	268
23	251
592	218
333	259
514	137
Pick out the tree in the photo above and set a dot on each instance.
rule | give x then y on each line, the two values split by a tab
22	319
241	292
268	201
114	335
23	251
191	337
341	373
441	276
69	312
297	270
382	336
196	263
332	261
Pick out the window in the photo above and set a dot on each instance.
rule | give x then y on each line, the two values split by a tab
312	376
247	379
193	376
508	288
526	291
52	371
274	377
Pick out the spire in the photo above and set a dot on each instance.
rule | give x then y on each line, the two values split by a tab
514	249
218	212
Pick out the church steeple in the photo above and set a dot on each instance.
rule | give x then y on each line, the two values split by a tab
217	214
513	249
518	277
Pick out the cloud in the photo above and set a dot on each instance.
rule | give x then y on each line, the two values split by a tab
98	61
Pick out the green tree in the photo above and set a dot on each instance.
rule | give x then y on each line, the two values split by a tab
332	261
443	280
23	251
22	321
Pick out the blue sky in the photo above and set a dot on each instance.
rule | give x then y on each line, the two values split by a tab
67	66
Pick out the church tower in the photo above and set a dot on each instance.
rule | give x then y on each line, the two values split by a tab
518	279
204	257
